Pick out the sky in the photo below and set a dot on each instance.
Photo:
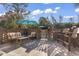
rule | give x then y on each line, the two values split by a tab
67	10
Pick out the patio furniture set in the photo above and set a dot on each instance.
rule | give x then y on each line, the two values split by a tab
65	36
15	36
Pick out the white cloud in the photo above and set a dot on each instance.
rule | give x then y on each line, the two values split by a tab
57	8
54	11
46	3
33	17
77	10
69	16
49	10
46	11
37	12
2	14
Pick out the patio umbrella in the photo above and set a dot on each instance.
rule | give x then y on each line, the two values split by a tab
26	22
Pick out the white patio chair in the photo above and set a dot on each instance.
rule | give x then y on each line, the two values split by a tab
75	32
32	35
75	37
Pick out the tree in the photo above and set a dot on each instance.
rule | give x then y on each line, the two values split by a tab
15	11
2	23
60	19
71	20
53	20
43	21
19	9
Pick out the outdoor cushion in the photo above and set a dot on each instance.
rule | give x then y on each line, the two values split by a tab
66	30
13	35
18	34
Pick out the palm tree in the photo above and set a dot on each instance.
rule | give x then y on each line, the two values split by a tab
15	11
60	19
18	8
71	20
53	20
43	21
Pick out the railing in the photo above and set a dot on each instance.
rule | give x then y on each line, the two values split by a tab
64	38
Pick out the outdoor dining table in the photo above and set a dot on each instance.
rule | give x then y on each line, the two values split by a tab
20	39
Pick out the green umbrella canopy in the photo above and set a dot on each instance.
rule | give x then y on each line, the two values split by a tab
26	22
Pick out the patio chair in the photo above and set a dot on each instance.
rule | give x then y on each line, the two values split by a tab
20	38
32	35
16	36
66	30
75	37
11	36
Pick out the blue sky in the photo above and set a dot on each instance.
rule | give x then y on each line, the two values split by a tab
45	9
66	10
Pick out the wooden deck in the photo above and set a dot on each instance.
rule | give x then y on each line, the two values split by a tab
37	48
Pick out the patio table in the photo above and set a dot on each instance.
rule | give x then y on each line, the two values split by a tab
20	39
